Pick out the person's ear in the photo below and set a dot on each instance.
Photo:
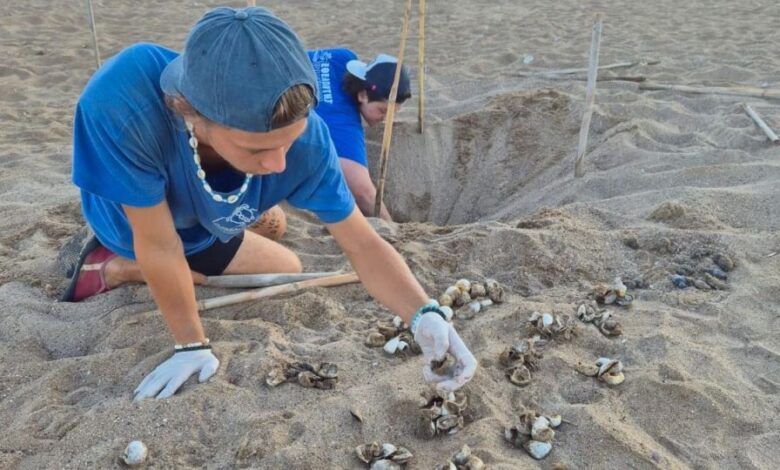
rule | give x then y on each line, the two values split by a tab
362	97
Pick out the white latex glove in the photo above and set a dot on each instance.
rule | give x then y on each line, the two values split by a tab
436	337
172	373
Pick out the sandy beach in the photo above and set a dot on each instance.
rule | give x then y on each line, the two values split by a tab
672	181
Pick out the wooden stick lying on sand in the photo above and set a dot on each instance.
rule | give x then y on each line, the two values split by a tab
760	122
94	32
734	91
262	280
272	291
590	95
421	67
618	65
388	133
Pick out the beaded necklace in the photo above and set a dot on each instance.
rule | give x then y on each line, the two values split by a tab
230	199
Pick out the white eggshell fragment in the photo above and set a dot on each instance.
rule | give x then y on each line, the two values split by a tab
475	306
463	284
135	453
452	291
391	346
538	450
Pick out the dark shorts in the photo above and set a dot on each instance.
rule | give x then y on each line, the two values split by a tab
215	259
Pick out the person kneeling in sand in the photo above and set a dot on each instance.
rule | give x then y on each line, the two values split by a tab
348	90
177	156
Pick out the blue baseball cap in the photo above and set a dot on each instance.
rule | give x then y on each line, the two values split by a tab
236	65
378	76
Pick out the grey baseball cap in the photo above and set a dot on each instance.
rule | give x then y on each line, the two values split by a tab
236	65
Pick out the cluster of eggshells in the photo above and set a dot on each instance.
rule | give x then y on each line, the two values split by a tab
442	412
473	295
520	359
605	369
552	326
614	294
324	376
534	433
394	336
603	319
462	460
383	457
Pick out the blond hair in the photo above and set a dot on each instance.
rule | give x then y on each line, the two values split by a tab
293	105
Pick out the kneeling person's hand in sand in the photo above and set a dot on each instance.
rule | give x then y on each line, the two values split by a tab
436	337
166	378
388	279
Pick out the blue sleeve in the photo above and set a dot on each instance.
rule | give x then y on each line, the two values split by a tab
119	163
324	191
349	140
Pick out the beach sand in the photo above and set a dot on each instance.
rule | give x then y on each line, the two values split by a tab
487	191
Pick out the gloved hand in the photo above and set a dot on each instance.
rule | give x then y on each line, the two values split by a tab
436	337
172	373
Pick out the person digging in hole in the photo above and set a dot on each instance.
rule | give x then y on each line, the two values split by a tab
177	156
348	90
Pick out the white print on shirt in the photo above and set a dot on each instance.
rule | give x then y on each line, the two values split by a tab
322	69
236	222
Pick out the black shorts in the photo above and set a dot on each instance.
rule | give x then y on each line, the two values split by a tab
215	259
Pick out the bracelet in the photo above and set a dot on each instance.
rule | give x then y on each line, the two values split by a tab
192	346
431	306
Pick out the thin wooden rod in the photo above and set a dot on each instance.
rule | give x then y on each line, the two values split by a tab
389	117
733	91
94	32
617	65
590	95
255	294
421	68
261	280
761	123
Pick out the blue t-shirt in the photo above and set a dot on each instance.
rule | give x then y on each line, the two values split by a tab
339	111
130	148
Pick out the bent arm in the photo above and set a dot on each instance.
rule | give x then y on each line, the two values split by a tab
160	255
381	269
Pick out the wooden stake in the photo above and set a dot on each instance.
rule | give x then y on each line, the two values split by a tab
421	68
590	95
94	32
760	122
388	132
734	91
251	3
261	280
272	291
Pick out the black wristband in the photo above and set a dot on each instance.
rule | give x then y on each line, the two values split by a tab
192	348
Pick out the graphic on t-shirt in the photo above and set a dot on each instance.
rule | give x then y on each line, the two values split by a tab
236	222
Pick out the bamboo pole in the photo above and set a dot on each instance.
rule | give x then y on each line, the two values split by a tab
261	280
94	32
255	294
733	91
590	95
761	123
421	67
388	132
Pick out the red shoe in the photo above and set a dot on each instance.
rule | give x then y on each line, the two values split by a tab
90	273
